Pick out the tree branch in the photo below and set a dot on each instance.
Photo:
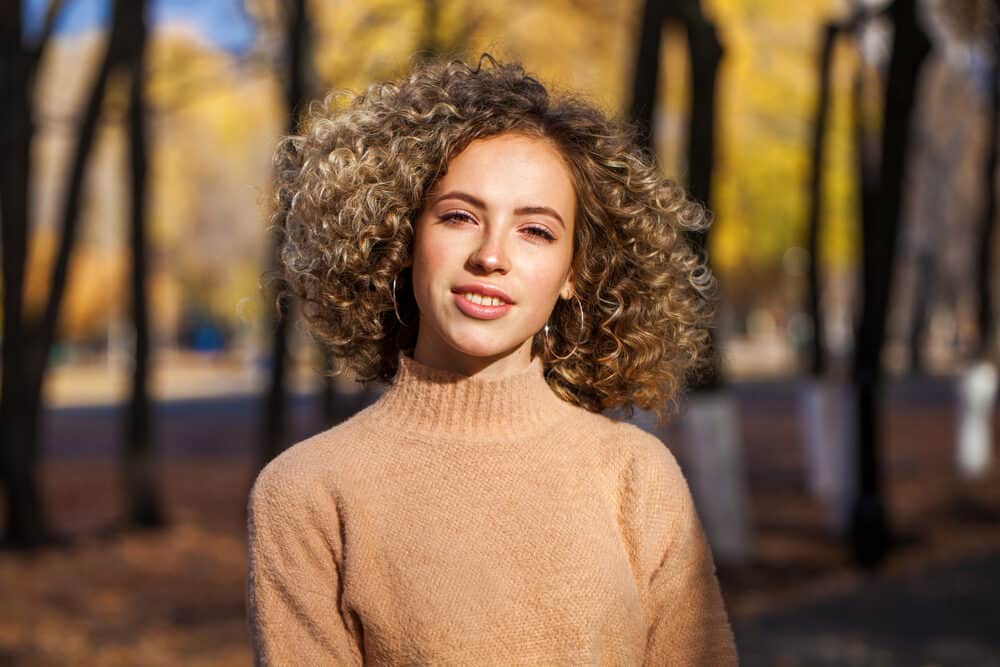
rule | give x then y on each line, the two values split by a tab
44	334
48	26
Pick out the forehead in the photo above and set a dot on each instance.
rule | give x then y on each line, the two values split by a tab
512	166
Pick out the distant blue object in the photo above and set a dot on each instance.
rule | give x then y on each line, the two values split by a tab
224	24
207	338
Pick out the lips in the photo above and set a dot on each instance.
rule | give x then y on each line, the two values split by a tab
482	311
483	289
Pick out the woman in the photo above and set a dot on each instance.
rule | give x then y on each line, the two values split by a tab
514	266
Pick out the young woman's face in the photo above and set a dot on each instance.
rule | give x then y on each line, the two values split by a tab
492	254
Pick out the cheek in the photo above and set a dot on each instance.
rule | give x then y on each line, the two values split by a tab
548	277
431	259
552	272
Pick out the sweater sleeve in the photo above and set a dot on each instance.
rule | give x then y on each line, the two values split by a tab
688	624
293	583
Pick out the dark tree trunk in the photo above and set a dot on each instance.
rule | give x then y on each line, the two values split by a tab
705	55
26	525
646	73
866	164
430	45
869	524
817	361
25	516
42	336
987	226
275	409
921	305
142	502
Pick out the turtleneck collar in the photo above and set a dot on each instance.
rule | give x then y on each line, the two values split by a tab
446	404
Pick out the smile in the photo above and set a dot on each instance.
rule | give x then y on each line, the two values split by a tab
483	300
481	307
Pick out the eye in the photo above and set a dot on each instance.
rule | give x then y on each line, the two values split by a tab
540	232
457	217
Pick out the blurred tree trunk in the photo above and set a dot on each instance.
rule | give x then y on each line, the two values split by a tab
926	269
296	97
645	81
142	502
25	517
435	42
429	44
27	344
717	470
866	154
814	293
987	226
817	361
705	54
869	522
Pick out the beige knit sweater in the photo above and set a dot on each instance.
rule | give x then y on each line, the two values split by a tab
465	521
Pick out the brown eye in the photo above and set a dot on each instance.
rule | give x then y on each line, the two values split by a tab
457	217
540	232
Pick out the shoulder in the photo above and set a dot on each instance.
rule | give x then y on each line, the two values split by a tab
640	457
648	458
652	471
310	470
654	488
288	484
648	480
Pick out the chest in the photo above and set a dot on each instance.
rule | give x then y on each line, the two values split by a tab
484	568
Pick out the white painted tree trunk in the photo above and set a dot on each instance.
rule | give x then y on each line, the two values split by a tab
718	474
977	392
828	434
121	343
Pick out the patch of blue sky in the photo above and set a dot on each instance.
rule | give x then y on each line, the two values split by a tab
224	24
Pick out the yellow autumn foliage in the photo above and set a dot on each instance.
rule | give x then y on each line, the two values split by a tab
766	96
215	119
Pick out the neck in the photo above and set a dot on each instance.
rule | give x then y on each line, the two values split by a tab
493	366
445	404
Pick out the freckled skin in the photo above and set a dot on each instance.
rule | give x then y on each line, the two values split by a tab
493	240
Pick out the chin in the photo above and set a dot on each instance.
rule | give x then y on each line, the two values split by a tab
484	351
484	347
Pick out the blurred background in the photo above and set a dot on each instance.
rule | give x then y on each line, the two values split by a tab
841	451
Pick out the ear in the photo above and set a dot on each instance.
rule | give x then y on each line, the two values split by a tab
568	288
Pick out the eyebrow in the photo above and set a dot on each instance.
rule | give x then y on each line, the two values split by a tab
479	203
542	210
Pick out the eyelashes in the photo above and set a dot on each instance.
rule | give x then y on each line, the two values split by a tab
457	216
461	217
540	232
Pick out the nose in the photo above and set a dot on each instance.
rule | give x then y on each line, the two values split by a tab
489	257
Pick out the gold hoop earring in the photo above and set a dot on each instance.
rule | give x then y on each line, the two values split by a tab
576	344
395	308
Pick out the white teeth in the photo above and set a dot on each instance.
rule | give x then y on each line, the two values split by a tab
483	300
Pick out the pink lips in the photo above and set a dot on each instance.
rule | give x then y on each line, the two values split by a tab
479	311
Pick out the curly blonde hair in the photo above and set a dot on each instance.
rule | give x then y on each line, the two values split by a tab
351	184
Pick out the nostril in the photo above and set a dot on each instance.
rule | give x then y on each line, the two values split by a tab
491	260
